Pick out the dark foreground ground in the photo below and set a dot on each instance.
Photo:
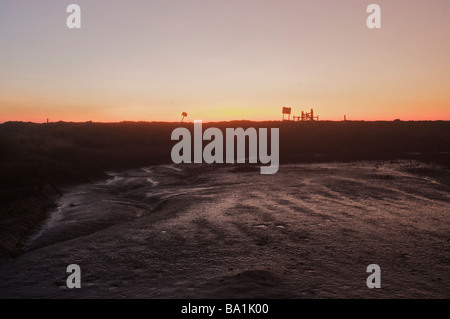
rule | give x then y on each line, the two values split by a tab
38	161
198	231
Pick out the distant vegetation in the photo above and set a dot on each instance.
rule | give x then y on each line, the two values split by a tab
37	160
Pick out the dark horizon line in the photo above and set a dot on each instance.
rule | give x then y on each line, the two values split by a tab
229	121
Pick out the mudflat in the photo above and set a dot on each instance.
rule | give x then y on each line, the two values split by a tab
202	231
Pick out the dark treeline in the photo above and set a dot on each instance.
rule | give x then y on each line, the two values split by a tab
37	160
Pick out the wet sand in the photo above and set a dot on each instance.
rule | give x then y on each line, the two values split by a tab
309	231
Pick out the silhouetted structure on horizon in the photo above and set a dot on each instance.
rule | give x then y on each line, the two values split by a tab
305	116
287	110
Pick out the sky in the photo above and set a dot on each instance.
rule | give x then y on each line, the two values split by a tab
217	60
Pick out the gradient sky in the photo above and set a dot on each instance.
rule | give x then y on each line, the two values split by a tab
223	60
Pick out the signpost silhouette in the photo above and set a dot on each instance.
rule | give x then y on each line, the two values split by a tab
287	110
